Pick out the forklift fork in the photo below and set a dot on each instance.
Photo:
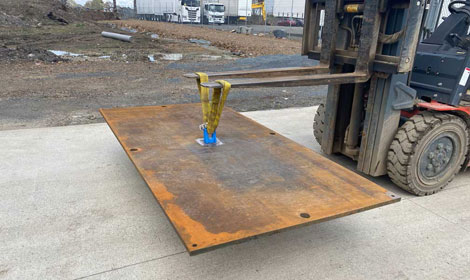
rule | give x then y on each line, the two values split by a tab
348	70
322	74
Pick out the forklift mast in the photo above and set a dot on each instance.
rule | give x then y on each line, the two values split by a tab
373	106
366	52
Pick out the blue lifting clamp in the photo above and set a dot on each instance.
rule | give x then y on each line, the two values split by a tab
209	139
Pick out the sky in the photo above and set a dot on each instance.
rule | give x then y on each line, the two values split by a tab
122	3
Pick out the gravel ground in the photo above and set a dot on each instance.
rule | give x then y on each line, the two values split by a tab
71	93
39	90
28	13
248	45
259	28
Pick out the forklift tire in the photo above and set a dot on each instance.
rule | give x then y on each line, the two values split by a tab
427	152
319	123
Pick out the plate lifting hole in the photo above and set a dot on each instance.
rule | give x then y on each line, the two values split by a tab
134	150
272	133
194	245
392	195
305	215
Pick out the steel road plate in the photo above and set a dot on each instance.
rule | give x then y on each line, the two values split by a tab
257	182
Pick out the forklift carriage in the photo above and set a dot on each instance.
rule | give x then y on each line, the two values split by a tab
384	86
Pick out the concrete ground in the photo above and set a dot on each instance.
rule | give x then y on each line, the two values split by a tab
73	206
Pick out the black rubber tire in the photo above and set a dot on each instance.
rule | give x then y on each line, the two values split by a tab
412	141
319	123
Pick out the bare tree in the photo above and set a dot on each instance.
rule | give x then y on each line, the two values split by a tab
114	6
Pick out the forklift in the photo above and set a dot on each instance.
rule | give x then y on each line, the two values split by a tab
413	126
396	104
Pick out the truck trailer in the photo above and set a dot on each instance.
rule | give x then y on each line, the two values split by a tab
236	10
292	9
181	11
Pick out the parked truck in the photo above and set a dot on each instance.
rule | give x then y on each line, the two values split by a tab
236	10
213	13
181	11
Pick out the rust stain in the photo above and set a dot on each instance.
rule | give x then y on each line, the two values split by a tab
256	183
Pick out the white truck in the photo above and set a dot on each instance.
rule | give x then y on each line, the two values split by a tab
181	11
213	13
236	10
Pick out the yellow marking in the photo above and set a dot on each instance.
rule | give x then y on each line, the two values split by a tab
352	8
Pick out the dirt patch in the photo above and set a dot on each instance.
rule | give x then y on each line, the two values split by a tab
45	12
248	45
84	39
41	89
10	55
6	19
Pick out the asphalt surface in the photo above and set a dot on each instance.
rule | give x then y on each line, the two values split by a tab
72	93
73	206
290	30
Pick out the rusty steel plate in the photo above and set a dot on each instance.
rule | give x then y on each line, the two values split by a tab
257	182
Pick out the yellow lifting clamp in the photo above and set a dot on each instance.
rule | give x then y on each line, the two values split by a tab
211	109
